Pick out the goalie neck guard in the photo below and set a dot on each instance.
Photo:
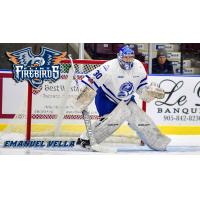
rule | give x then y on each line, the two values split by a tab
126	57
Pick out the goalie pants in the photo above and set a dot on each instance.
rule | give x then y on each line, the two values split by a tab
103	104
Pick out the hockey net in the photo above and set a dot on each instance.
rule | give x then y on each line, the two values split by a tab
50	111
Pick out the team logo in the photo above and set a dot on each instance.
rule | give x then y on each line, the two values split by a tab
36	68
126	89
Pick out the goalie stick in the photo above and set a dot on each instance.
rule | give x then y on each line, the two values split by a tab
89	132
63	102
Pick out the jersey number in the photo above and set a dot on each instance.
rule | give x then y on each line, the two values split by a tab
97	74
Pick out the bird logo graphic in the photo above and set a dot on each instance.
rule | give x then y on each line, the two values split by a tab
126	89
36	68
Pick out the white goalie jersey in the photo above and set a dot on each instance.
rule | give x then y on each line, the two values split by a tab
117	84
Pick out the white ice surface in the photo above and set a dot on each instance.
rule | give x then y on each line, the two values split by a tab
179	145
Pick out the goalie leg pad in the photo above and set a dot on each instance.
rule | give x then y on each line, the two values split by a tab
106	127
146	129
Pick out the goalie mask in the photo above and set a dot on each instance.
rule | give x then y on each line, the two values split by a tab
126	57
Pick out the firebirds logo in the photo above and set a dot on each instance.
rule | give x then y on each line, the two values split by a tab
36	68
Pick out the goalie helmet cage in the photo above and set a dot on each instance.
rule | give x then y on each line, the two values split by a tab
35	99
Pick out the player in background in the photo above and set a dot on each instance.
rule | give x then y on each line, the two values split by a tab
113	85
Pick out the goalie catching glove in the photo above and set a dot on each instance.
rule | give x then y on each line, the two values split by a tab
151	92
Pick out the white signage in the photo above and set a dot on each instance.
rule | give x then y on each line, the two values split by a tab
181	105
